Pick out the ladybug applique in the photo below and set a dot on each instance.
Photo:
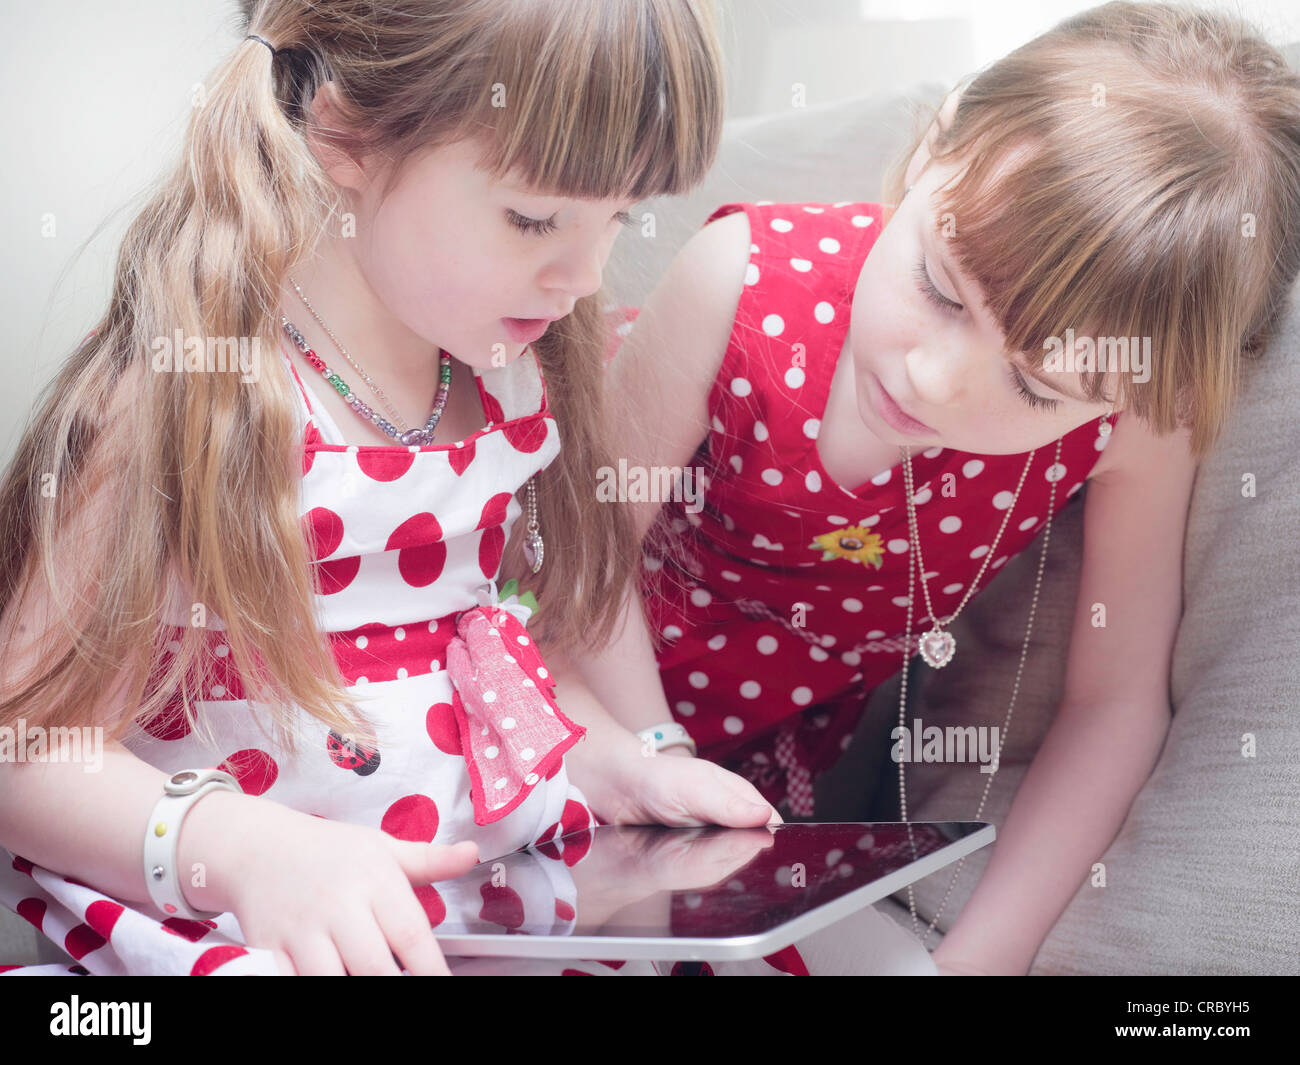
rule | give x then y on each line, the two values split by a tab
348	754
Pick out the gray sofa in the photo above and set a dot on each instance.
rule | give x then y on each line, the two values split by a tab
1204	876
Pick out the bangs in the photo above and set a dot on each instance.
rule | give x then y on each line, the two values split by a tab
1059	236
600	101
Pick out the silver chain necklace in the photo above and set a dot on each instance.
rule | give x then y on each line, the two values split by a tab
403	428
1024	651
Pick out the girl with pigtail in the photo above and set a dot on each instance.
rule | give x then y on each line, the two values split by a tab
889	400
278	595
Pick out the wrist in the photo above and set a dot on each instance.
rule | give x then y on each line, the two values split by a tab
967	964
209	848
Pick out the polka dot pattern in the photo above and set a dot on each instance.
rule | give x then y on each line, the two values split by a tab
828	559
401	540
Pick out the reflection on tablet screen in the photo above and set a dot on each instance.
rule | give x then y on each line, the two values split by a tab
634	881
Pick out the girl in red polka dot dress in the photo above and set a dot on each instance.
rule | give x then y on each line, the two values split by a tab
330	632
799	359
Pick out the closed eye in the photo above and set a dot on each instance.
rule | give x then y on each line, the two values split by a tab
537	226
1032	398
542	226
929	291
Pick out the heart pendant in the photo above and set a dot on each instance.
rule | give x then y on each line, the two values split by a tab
937	648
534	551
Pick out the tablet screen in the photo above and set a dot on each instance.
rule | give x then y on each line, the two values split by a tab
631	883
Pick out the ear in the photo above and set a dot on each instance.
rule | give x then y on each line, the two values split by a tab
916	165
331	141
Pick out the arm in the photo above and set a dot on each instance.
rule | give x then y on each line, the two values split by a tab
1114	714
658	385
91	824
293	881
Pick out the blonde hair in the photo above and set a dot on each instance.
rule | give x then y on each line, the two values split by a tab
196	476
1134	172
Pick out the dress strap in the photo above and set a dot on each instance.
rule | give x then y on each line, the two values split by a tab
515	390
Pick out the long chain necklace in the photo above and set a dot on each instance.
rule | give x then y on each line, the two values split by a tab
534	548
1024	651
936	646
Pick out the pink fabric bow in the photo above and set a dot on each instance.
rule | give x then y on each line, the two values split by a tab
512	732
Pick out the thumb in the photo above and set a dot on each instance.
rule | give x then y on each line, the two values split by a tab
425	862
720	797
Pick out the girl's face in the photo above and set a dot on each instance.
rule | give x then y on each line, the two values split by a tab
456	255
936	350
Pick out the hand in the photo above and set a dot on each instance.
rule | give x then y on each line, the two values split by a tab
330	898
674	788
958	969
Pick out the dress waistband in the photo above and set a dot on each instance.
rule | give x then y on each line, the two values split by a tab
370	653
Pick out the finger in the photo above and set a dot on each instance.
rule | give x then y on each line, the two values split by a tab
283	962
425	862
405	926
455	860
362	945
722	798
316	955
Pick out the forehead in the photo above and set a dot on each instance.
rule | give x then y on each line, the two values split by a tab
934	231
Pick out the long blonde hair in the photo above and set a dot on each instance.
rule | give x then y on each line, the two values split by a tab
1133	172
196	475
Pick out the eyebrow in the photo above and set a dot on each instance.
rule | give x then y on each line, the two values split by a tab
951	275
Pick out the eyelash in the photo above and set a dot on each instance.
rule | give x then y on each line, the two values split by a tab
1032	398
939	300
542	226
929	291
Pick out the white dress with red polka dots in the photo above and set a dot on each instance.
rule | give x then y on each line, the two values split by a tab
407	543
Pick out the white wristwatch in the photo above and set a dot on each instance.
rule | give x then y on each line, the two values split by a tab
669	734
162	836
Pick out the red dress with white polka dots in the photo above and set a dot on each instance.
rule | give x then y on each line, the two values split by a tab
787	598
407	543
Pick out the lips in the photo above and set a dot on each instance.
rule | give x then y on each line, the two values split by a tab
896	416
526	330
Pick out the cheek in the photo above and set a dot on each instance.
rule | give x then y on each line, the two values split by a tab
437	272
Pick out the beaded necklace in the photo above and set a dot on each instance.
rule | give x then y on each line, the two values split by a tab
534	548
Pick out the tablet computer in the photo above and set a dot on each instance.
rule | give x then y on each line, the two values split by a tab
692	894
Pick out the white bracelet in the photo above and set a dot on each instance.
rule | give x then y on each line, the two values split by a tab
162	837
669	734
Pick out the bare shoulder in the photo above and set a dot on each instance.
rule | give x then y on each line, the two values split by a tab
685	324
659	381
1134	450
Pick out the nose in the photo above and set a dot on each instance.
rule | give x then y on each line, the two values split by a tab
937	374
578	272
